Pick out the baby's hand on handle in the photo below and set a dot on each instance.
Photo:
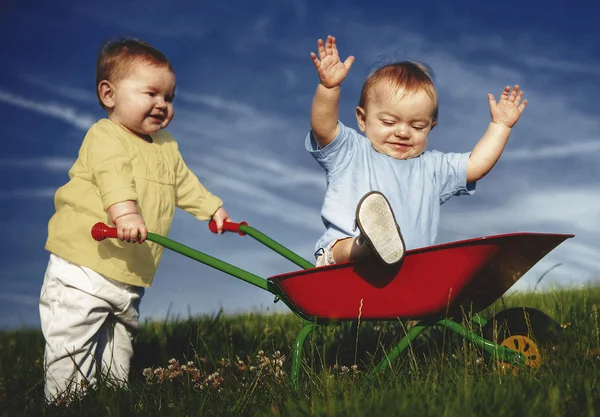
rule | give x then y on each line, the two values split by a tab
508	109
332	71
220	217
130	226
129	223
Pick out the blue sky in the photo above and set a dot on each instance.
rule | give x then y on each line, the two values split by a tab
245	85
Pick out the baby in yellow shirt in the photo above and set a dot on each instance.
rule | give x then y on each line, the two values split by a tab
129	172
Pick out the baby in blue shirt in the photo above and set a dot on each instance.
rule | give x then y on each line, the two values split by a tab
386	184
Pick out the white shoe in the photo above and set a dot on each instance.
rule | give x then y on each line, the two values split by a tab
378	228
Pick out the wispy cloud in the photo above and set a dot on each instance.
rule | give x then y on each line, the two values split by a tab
269	204
27	193
567	149
47	164
575	209
271	171
256	35
569	67
526	52
73	93
58	111
218	103
225	120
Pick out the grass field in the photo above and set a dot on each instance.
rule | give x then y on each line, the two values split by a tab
239	365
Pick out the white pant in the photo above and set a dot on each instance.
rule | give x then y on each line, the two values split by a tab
87	319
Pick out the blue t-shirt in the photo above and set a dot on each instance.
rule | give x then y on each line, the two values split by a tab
414	187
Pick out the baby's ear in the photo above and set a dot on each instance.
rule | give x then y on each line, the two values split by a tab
433	124
106	94
361	118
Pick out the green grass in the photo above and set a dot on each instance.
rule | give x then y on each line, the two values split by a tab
441	375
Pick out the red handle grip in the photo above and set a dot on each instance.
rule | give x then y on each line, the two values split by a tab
227	227
101	231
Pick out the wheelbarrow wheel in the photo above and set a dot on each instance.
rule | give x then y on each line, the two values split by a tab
525	330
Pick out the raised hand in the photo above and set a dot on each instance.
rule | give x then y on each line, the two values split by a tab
508	109
332	71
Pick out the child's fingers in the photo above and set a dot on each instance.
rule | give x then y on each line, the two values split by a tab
518	98
334	45
219	222
321	48
348	62
143	233
523	105
513	94
505	93
131	234
491	100
329	45
315	60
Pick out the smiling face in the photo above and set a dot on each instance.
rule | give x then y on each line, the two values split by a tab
397	122
143	101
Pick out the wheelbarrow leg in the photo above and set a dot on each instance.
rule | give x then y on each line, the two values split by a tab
398	349
498	352
297	355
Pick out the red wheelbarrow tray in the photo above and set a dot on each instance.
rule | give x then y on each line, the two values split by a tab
440	280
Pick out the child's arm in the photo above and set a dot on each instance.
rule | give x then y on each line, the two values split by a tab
324	111
505	115
108	164
129	223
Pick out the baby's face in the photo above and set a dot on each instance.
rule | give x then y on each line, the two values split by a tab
397	124
143	102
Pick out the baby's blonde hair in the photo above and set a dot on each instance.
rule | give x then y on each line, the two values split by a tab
410	76
116	60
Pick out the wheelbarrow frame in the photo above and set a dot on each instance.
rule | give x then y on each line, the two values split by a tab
500	353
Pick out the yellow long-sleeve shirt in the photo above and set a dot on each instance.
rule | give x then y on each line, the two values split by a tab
114	165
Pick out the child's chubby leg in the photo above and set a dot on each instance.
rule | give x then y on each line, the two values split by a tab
75	305
351	249
380	238
338	251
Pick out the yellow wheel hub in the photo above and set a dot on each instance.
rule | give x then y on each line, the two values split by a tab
526	347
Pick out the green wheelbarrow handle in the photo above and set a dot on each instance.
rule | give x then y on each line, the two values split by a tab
101	231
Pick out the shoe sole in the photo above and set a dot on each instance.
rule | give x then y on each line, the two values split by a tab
378	227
